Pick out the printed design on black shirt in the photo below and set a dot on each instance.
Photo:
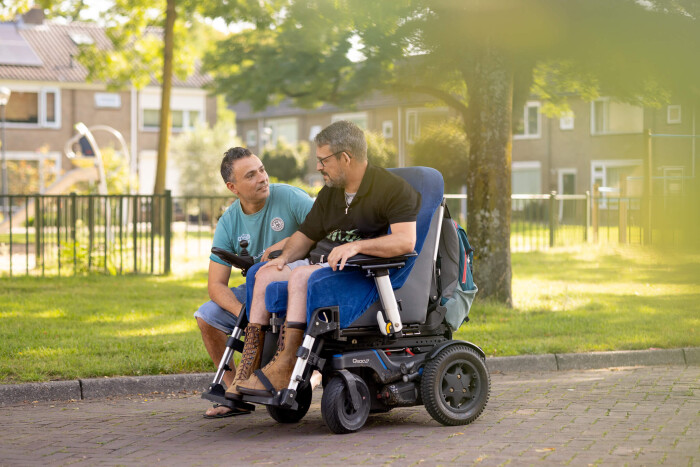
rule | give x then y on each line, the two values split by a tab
344	236
277	224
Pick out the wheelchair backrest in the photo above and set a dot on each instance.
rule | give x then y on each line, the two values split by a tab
416	281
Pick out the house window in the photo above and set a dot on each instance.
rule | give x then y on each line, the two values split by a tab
39	108
281	129
251	138
181	119
388	129
419	119
608	117
673	181
528	125
526	178
616	178
673	114
358	118
566	121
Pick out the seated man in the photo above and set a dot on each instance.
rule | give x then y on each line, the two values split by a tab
352	215
265	215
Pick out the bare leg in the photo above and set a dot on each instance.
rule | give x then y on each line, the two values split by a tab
298	284
263	278
215	343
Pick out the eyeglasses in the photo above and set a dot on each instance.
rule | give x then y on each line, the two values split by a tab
322	160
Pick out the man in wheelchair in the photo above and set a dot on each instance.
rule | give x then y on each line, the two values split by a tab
351	216
380	315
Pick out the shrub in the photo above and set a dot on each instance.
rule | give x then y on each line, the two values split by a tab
444	147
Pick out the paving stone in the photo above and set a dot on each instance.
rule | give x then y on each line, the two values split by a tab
623	358
578	417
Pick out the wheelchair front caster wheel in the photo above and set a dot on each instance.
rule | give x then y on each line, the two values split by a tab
283	415
455	385
337	408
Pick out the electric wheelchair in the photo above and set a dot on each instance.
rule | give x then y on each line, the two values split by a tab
379	331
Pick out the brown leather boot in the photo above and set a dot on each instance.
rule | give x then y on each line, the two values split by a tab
250	359
279	370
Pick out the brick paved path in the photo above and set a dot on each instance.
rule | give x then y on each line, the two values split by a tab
638	416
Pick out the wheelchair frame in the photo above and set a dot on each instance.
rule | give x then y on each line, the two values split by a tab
365	371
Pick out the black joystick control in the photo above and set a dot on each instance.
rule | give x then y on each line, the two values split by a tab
244	245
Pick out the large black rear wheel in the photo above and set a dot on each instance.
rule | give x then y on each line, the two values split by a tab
455	385
283	415
337	408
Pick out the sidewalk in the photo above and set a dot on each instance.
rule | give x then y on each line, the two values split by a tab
99	388
643	415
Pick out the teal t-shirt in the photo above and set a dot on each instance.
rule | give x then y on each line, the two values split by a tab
284	211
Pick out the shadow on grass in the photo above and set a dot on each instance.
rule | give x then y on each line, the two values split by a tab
606	322
64	328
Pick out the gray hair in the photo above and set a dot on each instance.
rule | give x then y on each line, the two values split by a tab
344	135
233	154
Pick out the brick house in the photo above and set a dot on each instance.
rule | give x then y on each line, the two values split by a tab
600	142
50	95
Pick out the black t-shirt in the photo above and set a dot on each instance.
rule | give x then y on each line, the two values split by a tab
382	199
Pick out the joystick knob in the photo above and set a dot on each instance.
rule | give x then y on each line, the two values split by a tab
244	245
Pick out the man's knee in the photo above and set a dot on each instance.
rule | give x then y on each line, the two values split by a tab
299	278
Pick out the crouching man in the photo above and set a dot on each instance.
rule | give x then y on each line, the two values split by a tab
351	215
265	215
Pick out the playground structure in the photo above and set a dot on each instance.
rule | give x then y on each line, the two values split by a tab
89	150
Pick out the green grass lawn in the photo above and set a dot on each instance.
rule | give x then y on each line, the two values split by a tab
565	301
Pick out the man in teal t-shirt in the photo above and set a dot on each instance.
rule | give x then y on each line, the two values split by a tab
265	215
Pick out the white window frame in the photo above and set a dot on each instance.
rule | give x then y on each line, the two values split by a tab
560	186
673	121
567	121
187	125
271	136
388	129
351	116
606	115
668	169
184	100
412	127
526	123
41	111
251	138
599	168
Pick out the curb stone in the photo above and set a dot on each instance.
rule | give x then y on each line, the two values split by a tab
96	388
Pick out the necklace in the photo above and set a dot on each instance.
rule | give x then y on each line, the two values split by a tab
348	200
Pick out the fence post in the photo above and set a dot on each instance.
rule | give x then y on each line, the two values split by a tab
552	217
588	216
622	212
91	229
647	190
73	226
167	231
136	233
594	211
37	229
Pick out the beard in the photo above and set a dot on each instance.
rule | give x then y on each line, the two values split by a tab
337	182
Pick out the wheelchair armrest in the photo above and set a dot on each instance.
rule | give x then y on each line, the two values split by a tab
367	262
241	262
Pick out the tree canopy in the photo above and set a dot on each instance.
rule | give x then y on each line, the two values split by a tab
481	58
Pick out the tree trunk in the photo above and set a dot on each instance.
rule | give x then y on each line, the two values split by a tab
488	127
165	118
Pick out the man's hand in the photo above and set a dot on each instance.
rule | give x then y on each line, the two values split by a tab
277	246
342	253
278	262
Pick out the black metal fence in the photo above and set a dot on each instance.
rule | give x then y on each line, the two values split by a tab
156	234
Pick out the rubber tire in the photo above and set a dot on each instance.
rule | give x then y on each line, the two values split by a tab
283	415
336	406
439	375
